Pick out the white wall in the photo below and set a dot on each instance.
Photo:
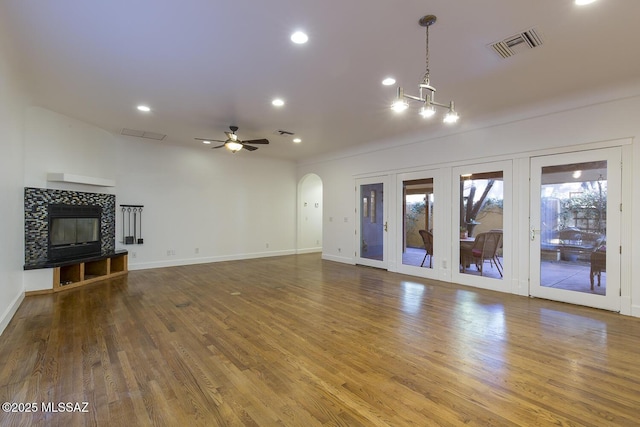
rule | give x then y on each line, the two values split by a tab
570	129
200	205
56	143
12	101
205	205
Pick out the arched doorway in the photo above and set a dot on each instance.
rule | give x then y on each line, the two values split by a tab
309	214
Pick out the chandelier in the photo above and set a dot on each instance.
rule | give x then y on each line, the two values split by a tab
427	92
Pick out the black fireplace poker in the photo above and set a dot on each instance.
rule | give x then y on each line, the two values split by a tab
131	236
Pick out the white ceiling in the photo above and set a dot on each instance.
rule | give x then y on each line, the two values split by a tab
203	65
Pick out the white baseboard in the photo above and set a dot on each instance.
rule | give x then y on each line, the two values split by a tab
205	260
309	250
10	311
343	260
626	307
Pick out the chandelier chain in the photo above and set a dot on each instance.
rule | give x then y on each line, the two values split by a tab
426	74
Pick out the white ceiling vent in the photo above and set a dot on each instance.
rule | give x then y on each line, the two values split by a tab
143	134
517	43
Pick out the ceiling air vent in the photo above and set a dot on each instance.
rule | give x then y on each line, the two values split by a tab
143	134
517	43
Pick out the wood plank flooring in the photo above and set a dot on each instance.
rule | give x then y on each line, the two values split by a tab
298	341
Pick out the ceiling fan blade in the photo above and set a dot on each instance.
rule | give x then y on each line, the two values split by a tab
219	146
209	139
248	147
256	141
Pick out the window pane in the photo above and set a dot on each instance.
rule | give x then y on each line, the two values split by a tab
481	223
573	217
418	222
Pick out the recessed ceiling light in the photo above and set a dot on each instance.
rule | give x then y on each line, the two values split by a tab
299	37
144	108
277	102
584	2
206	142
389	81
297	140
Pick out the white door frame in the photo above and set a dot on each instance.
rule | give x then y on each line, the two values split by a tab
504	284
382	219
611	300
440	228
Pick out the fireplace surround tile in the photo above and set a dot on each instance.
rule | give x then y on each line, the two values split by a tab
36	221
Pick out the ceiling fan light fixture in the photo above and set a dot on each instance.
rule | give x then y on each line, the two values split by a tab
233	146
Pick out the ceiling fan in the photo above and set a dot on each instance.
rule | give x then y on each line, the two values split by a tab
233	143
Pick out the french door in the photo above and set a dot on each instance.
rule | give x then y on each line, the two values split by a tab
575	228
372	222
482	224
422	226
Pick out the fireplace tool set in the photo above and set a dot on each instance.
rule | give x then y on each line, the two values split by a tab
132	233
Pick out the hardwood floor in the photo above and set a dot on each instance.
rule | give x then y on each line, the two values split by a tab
298	341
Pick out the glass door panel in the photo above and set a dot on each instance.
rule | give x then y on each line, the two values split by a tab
574	219
481	223
418	209
371	222
371	231
482	197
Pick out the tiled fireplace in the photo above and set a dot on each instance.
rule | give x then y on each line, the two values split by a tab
37	202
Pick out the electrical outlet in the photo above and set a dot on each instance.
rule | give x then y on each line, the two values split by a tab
168	252
267	246
197	250
346	219
339	250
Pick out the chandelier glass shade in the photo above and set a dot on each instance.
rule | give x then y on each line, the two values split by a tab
426	91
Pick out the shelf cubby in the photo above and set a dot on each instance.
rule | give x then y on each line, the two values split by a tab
84	272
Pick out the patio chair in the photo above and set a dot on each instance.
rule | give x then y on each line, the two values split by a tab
485	248
427	240
598	261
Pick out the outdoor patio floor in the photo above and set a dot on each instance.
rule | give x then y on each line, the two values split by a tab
572	276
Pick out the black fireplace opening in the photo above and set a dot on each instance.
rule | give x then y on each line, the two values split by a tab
74	232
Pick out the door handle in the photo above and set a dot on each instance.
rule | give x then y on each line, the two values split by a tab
385	226
532	233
